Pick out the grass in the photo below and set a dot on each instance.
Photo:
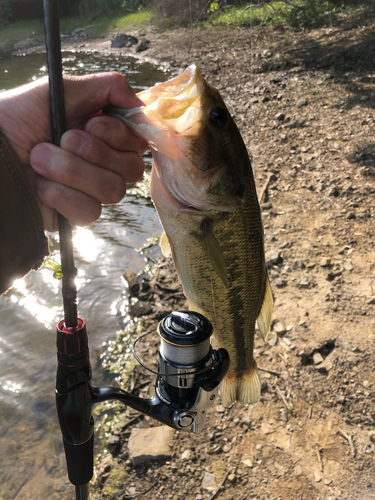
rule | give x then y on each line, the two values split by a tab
310	13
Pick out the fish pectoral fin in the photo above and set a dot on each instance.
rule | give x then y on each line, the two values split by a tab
164	245
265	315
215	255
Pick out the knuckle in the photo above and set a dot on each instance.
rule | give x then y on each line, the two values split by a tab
114	191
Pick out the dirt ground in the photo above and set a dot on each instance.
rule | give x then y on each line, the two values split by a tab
304	102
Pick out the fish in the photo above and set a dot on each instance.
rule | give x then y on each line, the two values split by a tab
203	189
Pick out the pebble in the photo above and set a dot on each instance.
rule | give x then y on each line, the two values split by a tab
340	399
150	444
287	341
131	279
273	257
327	481
263	386
317	358
333	191
186	455
208	482
372	437
273	341
279	329
280	117
317	476
348	266
301	102
325	262
232	478
280	283
304	283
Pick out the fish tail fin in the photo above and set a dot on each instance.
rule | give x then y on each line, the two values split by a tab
244	388
265	315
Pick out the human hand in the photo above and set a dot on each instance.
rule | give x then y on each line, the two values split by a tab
99	155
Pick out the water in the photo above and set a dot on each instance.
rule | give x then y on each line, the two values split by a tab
32	463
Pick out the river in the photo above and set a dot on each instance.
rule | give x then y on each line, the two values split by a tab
32	462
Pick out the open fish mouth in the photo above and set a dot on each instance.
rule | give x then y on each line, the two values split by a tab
198	152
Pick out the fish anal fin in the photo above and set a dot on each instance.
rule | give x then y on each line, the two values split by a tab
215	255
265	315
164	245
244	388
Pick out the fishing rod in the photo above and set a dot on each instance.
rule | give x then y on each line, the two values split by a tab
189	370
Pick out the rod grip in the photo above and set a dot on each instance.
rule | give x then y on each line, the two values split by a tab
80	461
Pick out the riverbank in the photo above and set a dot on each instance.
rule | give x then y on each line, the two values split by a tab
304	103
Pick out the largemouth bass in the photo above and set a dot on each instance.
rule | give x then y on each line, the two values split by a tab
203	189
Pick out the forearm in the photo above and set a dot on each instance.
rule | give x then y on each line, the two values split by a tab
23	244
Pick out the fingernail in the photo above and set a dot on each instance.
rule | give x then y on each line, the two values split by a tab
40	158
72	141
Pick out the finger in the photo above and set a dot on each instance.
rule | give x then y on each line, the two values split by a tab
105	185
116	134
127	164
77	207
87	95
60	166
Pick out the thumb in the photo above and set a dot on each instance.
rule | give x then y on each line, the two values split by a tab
87	95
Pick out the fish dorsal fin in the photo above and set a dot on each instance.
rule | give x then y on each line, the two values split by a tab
164	245
212	249
265	315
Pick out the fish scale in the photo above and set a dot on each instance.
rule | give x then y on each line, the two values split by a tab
203	189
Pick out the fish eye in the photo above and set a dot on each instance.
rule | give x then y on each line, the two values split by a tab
218	117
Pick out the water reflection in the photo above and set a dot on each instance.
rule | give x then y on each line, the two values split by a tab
32	463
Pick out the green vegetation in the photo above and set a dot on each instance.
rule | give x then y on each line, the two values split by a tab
297	13
25	29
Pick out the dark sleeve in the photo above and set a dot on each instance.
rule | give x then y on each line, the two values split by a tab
23	244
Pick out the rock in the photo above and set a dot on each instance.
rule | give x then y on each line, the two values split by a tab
140	308
317	476
279	329
280	117
372	436
348	266
332	275
325	262
266	206
287	341
273	341
273	257
327	481
350	216
131	279
317	358
208	482
304	282
340	399
247	461
263	386
186	455
333	191
232	478
301	102
328	363
150	444
280	283
144	45
123	40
